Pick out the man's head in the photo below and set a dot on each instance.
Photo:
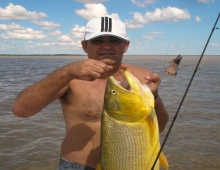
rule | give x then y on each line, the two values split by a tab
106	40
98	29
101	26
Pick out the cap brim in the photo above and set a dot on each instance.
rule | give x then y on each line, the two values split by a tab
95	35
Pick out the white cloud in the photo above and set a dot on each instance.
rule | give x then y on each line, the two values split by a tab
11	26
55	33
169	14
59	45
215	45
51	47
95	10
42	44
197	18
91	1
65	38
25	34
130	25
46	24
17	12
67	44
206	1
150	38
78	32
4	47
143	3
156	33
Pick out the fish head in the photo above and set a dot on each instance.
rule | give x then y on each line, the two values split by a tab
127	101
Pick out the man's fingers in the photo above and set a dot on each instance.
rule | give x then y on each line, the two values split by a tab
108	69
123	67
153	78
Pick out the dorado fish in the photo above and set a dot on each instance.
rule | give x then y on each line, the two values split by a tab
129	127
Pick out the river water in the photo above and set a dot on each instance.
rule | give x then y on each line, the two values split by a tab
34	143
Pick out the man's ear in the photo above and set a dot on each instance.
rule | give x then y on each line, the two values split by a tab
126	46
84	45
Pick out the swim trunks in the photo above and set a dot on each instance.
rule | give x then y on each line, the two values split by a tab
66	165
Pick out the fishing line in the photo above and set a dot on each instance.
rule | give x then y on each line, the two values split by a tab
177	112
192	36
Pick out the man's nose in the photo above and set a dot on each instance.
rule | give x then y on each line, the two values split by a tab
107	44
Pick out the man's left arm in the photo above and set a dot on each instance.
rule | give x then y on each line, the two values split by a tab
162	115
153	81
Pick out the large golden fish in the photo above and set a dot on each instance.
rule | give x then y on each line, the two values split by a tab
129	127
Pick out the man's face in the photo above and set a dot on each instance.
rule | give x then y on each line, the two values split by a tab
107	49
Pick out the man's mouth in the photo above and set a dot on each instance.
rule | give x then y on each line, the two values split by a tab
106	54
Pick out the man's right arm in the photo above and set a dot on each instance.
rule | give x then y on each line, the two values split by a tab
37	96
34	98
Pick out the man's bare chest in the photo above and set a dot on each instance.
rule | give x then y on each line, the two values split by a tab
92	100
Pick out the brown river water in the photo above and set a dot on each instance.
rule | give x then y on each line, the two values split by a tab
34	143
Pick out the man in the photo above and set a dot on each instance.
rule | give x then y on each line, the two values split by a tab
80	86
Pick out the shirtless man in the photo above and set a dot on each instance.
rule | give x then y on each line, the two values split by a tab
80	87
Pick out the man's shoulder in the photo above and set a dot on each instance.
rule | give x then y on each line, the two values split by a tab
139	72
135	68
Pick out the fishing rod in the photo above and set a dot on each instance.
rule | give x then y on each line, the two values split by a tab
177	112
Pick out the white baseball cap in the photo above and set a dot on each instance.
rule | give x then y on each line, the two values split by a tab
97	27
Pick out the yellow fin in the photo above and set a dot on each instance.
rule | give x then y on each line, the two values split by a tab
153	127
163	161
98	166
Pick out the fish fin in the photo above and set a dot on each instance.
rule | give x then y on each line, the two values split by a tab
98	166
163	161
152	126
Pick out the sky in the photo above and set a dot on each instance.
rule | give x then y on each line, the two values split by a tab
154	27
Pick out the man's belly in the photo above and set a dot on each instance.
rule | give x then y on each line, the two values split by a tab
82	145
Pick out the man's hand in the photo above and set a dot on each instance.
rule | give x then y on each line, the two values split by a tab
153	81
89	70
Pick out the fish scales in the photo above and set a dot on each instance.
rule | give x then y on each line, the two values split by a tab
129	148
129	127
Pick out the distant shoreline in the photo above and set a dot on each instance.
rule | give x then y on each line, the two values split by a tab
86	55
167	58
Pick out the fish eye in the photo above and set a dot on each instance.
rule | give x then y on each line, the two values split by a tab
113	91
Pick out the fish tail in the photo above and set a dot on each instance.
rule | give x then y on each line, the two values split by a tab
163	161
98	166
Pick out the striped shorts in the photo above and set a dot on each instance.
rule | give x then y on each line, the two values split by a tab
66	165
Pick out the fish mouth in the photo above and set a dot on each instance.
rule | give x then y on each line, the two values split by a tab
122	84
129	84
124	100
